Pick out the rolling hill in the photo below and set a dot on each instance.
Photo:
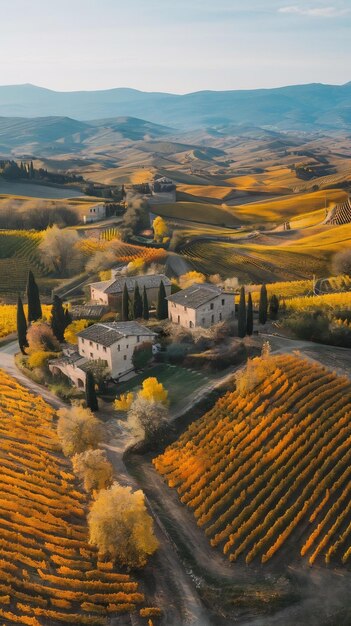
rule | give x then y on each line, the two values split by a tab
312	106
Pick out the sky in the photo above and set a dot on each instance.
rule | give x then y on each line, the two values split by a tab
177	46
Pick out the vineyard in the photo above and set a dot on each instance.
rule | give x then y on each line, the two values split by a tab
124	252
267	471
48	571
8	317
328	302
295	288
18	254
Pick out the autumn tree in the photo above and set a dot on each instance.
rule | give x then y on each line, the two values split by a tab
341	262
78	430
125	304
33	299
153	391
146	313
90	392
120	526
94	469
73	329
162	304
21	326
249	316
41	338
263	306
160	228
242	314
124	401
148	419
137	303
188	279
59	249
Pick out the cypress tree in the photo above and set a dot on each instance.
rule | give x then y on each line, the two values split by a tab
125	304
146	313
68	317
90	392
162	305
273	307
263	307
137	303
242	314
21	326
58	319
249	316
33	298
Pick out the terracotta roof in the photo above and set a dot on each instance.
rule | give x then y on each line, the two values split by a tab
196	295
106	334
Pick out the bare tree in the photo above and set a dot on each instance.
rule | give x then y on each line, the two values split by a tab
59	249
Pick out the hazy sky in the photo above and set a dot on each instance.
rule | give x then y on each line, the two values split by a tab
174	45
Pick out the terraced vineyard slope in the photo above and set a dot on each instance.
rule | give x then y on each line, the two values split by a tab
267	471
49	574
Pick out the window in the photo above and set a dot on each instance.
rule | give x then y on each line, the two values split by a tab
211	306
220	317
91	355
82	340
138	339
223	301
90	343
125	357
127	346
83	350
178	319
203	321
104	349
119	348
191	325
212	319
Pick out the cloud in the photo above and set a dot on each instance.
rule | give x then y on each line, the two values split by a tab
314	12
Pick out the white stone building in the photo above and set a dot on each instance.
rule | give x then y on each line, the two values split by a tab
109	292
200	305
112	342
95	213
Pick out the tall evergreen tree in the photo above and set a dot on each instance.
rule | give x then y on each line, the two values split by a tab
242	314
33	298
162	304
68	317
263	306
31	170
137	303
125	304
21	326
90	392
146	313
58	319
249	316
273	307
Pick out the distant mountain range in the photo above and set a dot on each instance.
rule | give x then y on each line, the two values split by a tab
302	107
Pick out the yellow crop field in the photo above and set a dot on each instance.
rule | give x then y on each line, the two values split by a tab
49	572
268	469
295	288
329	301
8	315
206	191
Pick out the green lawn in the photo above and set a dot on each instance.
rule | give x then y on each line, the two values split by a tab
180	382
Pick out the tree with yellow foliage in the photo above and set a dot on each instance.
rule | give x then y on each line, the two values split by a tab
74	328
153	391
124	402
188	279
120	526
93	468
78	430
160	228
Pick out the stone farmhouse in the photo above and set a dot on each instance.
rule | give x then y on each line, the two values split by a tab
109	292
200	305
112	342
96	212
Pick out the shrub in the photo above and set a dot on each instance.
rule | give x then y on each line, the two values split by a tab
93	469
78	430
41	338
